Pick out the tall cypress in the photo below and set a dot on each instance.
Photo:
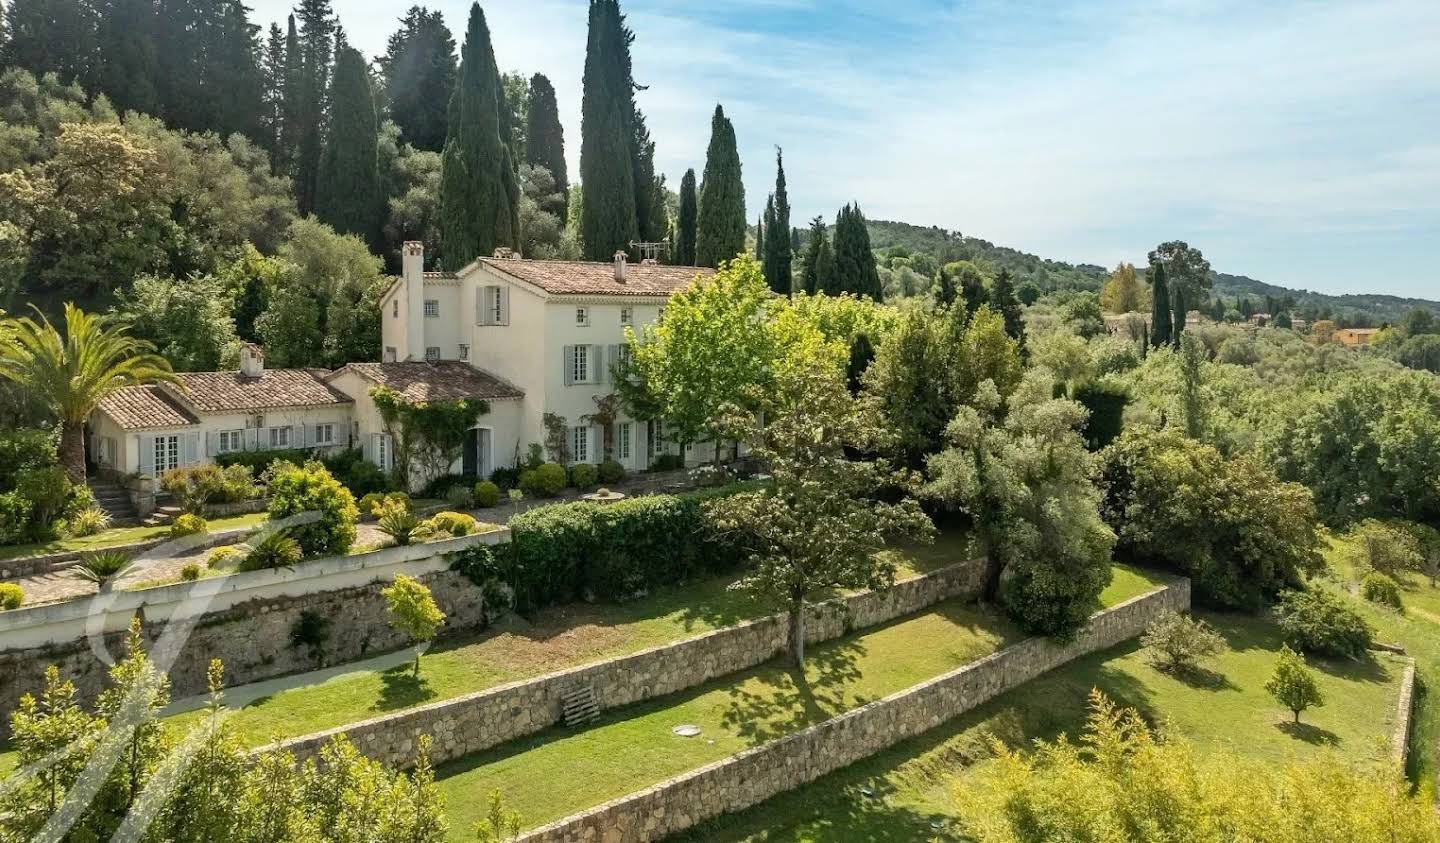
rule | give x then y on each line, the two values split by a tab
817	266
292	91
1159	306
273	98
649	202
126	54
760	226
779	252
545	136
1002	297
183	26
419	71
233	77
317	39
348	192
1180	308
608	215
479	202
685	230
721	233
855	269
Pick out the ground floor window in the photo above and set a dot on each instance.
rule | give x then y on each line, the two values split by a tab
231	441
279	437
167	454
580	444
324	434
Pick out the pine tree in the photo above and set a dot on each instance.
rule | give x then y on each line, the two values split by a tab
817	266
291	94
419	71
779	252
51	36
545	137
855	269
348	195
685	229
182	26
479	193
317	39
126	54
1002	298
233	80
608	216
1159	307
273	98
721	227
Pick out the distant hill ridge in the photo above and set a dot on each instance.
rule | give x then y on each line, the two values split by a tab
946	246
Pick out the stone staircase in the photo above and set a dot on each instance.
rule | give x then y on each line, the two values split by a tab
580	705
110	497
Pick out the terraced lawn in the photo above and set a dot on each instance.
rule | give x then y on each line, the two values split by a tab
908	792
634	747
117	537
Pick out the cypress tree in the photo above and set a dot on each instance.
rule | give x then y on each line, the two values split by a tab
817	266
760	226
649	202
855	269
686	226
1159	306
233	78
348	195
273	100
545	136
608	215
419	71
183	26
1180	308
479	204
317	39
292	87
779	252
1002	297
126	52
51	36
721	234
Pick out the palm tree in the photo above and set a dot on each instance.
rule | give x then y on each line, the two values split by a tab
73	373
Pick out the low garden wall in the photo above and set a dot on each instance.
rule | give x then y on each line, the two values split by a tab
477	721
1404	712
244	619
27	566
757	774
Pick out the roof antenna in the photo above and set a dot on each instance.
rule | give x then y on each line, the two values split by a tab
650	252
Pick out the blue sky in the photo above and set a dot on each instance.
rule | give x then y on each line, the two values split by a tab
1298	142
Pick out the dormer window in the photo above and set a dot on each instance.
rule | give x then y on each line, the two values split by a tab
582	316
432	309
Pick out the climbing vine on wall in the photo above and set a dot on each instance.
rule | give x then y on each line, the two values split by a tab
428	436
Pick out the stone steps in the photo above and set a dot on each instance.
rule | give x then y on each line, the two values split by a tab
115	501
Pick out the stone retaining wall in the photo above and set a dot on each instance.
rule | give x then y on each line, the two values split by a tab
478	721
757	774
1404	711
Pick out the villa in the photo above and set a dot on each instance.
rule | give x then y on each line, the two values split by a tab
531	338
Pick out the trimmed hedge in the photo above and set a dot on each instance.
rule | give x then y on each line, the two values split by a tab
603	551
258	461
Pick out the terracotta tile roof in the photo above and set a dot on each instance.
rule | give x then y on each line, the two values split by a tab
145	407
219	392
447	380
576	278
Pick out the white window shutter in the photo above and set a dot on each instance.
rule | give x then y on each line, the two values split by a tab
504	295
482	306
569	360
192	447
147	454
210	449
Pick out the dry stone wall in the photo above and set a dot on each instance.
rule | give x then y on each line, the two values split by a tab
757	774
253	639
478	721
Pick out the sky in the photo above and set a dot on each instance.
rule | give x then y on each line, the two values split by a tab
1294	142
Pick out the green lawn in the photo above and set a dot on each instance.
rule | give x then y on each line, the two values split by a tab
913	786
124	535
634	747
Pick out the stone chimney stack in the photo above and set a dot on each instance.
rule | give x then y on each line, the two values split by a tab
413	273
620	258
252	360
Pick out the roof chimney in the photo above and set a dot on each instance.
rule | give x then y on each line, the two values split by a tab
413	274
620	258
252	360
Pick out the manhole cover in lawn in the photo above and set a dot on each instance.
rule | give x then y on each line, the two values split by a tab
686	731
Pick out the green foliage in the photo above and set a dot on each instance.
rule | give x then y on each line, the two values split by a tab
487	494
200	485
419	72
275	549
817	267
609	215
1161	326
188	320
777	255
259	462
1322	623
500	825
452	524
583	476
347	194
1105	404
103	566
686	222
188	524
190	573
460	496
88	522
1240	534
1378	588
1025	480
547	481
855	269
667	462
411	609
610	472
227	556
311	488
358	474
396	520
428	436
311	631
11	596
1293	685
1386	548
1178	642
545	137
720	226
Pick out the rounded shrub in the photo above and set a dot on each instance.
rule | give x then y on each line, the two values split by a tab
189	524
452	524
312	489
547	481
460	497
1378	588
583	476
190	573
611	472
225	557
1321	623
370	503
487	494
11	596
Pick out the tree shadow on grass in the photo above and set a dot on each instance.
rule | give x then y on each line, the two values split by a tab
1309	733
791	699
1202	678
401	688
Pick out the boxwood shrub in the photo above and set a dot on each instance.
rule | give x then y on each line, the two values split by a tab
311	488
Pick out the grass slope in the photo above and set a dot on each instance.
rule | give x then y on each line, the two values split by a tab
117	537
